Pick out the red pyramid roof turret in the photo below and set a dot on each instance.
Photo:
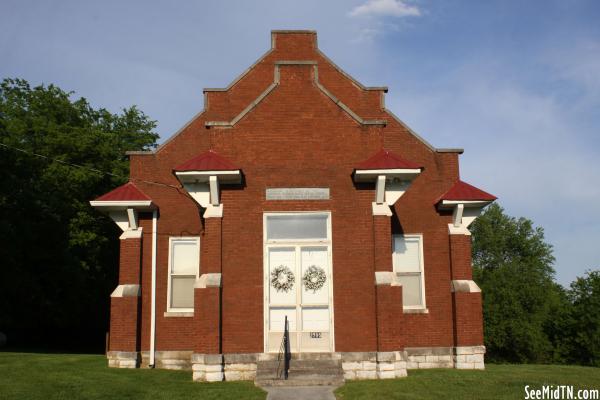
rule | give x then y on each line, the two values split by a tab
126	192
207	161
463	191
385	159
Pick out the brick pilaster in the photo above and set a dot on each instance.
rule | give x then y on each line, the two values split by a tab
207	320
382	237
389	296
211	246
125	300
207	296
460	255
390	318
466	297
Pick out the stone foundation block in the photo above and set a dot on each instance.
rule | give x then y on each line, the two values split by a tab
361	374
240	372
381	365
229	367
207	367
214	376
351	366
123	359
469	357
369	366
386	366
469	350
386	374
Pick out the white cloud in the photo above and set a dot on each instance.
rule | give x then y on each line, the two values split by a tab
386	8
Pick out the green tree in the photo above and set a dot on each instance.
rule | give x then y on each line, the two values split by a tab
513	265
584	333
59	256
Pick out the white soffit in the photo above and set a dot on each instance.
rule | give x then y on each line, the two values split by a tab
449	204
369	175
116	205
234	176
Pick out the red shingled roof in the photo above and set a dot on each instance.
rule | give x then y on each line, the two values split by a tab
385	159
126	192
464	191
208	161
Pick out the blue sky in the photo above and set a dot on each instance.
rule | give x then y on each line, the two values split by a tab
515	83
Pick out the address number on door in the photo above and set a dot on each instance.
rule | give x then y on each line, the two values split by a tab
315	335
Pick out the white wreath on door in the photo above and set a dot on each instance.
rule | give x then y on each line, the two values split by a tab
314	278
282	279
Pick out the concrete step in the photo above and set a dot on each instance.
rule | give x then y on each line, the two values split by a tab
309	380
304	371
297	373
296	365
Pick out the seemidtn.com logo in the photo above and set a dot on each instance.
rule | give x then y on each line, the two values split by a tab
560	392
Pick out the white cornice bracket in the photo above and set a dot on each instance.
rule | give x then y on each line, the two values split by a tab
390	185
133	218
380	189
463	215
457	215
125	213
205	188
213	182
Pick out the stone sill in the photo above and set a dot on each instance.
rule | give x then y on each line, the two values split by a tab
416	311
179	314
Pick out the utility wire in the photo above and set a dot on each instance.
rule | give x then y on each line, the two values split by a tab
73	165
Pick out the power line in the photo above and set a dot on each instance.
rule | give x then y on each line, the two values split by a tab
95	170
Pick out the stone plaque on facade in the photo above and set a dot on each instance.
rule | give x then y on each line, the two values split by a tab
297	194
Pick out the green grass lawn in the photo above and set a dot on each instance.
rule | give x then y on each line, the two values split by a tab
76	376
496	382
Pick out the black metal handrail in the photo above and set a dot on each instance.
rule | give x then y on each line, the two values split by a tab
285	354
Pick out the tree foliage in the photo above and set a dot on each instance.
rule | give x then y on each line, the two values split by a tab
513	266
583	330
59	255
528	317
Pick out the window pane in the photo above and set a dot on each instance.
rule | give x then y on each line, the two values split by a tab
411	290
185	257
407	254
277	318
315	319
182	291
297	227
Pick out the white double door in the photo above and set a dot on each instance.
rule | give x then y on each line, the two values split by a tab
299	282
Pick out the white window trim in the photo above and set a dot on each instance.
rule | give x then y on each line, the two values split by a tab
170	264
303	241
421	267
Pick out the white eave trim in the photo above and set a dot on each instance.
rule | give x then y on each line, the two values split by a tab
396	171
466	203
122	205
204	176
368	175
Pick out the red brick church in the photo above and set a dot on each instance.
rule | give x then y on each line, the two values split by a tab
295	193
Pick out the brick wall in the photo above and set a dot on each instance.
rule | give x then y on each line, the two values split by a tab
129	263
124	324
469	319
461	256
297	137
